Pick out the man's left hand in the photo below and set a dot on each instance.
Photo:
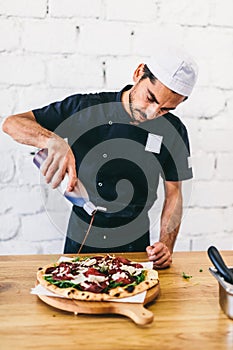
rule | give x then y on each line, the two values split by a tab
160	255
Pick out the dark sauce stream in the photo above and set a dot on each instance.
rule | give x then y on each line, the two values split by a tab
87	233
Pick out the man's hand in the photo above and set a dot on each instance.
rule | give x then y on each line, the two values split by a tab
161	252
60	161
160	255
25	129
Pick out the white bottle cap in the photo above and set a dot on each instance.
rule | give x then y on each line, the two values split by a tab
91	209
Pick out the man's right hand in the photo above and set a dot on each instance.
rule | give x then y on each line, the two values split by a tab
60	161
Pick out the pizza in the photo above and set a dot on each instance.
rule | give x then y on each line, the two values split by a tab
96	278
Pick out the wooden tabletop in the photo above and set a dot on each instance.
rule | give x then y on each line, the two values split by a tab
187	314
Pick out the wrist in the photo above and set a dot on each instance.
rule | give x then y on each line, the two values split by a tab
167	243
52	140
45	138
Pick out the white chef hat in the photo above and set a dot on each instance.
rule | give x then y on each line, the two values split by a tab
175	69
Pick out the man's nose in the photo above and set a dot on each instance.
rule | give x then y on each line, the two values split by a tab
153	110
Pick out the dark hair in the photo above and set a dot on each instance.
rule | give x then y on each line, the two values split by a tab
147	74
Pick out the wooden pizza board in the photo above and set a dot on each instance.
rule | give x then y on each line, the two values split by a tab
136	311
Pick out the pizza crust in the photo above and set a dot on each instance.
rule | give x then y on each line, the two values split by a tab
151	280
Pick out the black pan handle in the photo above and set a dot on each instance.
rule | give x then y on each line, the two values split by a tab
219	264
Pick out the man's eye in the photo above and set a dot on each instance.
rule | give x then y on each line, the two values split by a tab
150	99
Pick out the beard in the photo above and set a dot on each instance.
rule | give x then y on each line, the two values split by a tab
136	113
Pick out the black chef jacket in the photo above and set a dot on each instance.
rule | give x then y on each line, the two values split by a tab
119	164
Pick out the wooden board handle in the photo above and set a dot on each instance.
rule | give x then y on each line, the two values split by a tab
137	312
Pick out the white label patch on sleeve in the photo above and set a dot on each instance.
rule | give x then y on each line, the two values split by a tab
153	143
190	162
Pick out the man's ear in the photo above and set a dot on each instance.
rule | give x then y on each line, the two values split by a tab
138	73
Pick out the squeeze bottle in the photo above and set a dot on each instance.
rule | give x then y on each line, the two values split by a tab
78	196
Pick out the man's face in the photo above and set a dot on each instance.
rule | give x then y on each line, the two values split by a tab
149	100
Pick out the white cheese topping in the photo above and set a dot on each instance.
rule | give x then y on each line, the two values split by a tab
62	271
89	262
103	264
79	279
131	269
65	259
85	285
138	272
82	269
118	275
93	278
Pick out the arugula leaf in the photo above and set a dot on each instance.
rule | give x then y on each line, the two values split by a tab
76	259
103	269
185	276
113	284
79	258
140	278
62	284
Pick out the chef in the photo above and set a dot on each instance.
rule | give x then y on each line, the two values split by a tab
119	145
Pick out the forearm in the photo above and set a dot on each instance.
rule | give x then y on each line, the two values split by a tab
170	220
24	129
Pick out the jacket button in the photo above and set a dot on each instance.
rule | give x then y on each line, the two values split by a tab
100	184
105	155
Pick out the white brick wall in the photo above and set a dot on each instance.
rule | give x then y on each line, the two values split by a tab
24	8
180	12
76	8
50	36
21	69
131	11
9	34
50	49
78	77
